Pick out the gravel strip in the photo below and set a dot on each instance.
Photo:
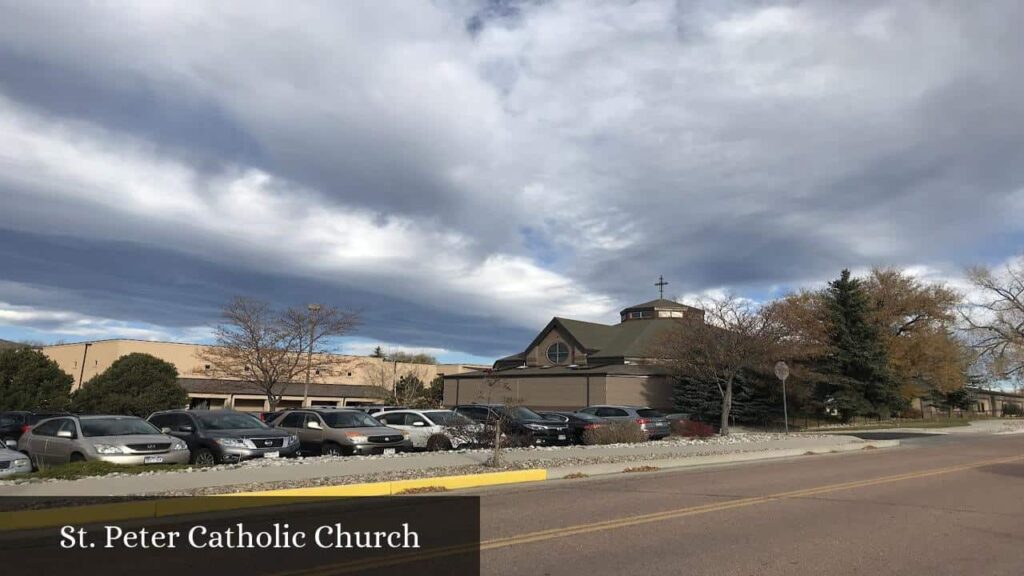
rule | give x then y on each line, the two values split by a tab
673	441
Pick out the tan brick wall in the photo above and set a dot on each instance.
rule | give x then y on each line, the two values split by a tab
653	391
186	358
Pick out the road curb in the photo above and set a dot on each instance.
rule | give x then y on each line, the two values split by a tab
164	507
713	459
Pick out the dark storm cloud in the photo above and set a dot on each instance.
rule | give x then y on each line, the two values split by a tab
464	170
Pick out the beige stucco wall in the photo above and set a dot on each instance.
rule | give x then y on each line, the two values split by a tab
653	391
556	393
360	370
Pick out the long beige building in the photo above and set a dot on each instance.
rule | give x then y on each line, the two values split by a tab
572	364
355	380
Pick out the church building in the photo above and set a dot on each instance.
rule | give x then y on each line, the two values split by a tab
572	364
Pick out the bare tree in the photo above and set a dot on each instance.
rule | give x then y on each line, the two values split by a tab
735	338
995	318
395	380
268	349
497	390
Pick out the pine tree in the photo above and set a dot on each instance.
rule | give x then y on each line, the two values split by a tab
858	381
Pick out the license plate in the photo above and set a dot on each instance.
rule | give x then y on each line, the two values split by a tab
272	454
561	436
389	450
152	459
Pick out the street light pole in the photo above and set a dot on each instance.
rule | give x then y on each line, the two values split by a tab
313	309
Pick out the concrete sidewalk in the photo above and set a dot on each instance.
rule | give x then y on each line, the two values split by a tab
342	467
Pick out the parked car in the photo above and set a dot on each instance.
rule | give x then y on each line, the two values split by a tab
115	439
341	431
216	436
13	424
578	422
433	429
374	408
523	426
651	421
12	462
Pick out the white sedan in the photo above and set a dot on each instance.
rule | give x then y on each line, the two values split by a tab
433	429
12	462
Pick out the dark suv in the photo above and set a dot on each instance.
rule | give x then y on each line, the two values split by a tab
215	436
13	424
522	425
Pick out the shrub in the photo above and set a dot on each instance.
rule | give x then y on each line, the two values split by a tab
692	429
31	381
134	385
615	433
1012	410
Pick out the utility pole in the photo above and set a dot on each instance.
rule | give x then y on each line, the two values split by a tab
313	309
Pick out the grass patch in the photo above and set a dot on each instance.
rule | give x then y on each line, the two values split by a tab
809	453
575	476
422	490
870	447
76	470
640	469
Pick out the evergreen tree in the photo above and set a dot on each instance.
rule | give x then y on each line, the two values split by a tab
858	381
136	384
31	381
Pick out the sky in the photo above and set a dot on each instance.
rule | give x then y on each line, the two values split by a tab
461	171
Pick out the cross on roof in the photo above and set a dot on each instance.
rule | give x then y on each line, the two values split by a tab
661	286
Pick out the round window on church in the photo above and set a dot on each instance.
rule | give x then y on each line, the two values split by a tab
558	353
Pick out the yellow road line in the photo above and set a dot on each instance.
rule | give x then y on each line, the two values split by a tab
564	531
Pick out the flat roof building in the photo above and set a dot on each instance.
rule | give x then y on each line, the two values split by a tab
356	379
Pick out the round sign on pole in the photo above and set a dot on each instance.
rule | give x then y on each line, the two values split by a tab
781	370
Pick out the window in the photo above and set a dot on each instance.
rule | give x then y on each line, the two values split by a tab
394	418
292	420
558	353
162	421
591	411
350	420
610	412
48	428
411	419
11	419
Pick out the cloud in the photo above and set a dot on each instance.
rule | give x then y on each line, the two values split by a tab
67	324
465	170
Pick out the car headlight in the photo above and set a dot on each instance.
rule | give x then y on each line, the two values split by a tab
21	463
179	445
231	442
536	427
108	449
292	439
405	434
356	437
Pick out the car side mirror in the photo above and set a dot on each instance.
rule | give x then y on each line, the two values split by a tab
418	423
65	434
314	425
12	444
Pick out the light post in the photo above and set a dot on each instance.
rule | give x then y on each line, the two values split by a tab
313	309
782	372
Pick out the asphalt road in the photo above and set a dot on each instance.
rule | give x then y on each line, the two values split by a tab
939	505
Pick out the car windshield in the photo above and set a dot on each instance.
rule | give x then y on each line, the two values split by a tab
222	420
446	418
116	427
349	420
649	413
9	420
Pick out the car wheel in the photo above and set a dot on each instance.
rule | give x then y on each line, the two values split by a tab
331	449
76	457
203	457
436	443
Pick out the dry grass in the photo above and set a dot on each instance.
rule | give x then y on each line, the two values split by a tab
422	490
640	469
870	447
575	476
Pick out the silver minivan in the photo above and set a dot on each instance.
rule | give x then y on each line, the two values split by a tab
114	439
